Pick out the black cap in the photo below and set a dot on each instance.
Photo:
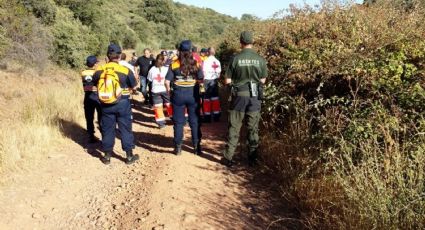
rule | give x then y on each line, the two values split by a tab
91	61
204	50
164	52
246	37
185	45
114	49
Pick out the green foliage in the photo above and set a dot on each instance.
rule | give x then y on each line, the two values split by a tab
45	10
72	40
249	17
25	39
86	11
345	107
73	29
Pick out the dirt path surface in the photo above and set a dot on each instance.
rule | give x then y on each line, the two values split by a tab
72	189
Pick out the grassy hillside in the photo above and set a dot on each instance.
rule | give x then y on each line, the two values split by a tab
66	31
34	111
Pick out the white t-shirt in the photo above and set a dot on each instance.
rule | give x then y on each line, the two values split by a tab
126	64
157	77
211	68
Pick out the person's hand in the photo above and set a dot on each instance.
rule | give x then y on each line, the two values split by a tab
202	88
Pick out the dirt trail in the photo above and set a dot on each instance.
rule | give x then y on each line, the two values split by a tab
72	189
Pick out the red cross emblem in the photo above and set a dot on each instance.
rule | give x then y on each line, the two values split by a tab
158	78
215	66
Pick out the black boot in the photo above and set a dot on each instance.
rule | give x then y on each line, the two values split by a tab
252	158
197	149
227	162
107	158
178	150
93	139
131	158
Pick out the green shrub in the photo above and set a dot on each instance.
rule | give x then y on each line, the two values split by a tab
73	41
25	39
344	112
45	10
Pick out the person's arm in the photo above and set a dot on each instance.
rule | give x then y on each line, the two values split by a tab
168	86
150	73
264	72
228	75
137	67
82	77
168	78
136	75
229	72
200	75
131	80
96	76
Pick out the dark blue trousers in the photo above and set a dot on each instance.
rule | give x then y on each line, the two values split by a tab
91	104
181	99
111	115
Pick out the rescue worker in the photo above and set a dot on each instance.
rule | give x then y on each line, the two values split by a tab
133	59
183	78
246	73
91	100
160	96
204	54
124	62
196	55
167	59
211	103
119	112
144	63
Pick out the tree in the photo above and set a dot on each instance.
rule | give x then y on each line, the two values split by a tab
249	17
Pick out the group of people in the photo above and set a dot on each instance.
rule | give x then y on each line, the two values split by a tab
185	84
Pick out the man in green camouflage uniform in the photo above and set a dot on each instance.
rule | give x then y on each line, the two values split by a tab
246	74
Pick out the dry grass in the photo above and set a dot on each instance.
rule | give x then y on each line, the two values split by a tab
34	102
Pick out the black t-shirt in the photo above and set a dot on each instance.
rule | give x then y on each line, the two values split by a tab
145	65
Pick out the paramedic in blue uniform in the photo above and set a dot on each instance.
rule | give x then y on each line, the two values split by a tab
91	100
182	82
119	112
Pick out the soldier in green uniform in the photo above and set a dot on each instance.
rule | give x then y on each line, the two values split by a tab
246	74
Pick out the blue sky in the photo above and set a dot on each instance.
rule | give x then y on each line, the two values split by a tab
260	8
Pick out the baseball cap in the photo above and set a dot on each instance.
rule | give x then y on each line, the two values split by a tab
246	37
164	52
114	48
91	61
204	50
185	45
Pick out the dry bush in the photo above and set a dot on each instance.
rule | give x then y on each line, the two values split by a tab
30	127
344	116
28	41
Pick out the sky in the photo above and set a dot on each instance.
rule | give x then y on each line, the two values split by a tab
260	8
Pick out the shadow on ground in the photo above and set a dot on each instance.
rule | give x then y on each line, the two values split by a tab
263	205
78	134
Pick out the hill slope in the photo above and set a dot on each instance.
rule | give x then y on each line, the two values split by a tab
68	30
